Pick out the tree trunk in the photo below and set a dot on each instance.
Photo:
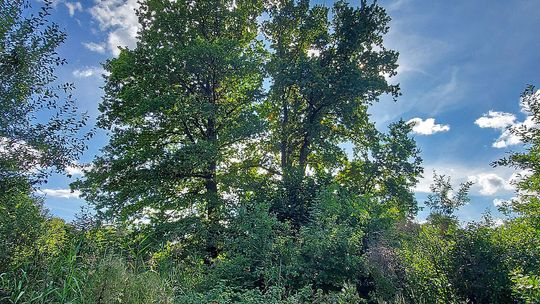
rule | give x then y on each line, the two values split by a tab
212	197
213	216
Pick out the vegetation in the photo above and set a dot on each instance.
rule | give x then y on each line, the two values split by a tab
215	188
28	91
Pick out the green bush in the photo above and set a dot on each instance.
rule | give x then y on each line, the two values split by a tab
526	287
22	220
112	281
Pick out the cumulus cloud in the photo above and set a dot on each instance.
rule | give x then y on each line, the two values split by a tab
501	121
60	193
490	183
118	18
496	120
73	7
507	138
424	183
95	47
485	184
487	181
506	122
88	72
427	127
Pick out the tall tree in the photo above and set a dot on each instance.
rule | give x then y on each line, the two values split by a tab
39	122
181	109
325	72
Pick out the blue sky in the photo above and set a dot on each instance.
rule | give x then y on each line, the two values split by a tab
459	60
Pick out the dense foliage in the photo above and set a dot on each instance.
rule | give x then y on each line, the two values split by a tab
29	92
217	188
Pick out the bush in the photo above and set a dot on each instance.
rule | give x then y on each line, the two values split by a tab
273	295
22	220
112	281
526	287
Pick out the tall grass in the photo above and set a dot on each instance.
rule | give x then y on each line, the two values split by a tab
71	279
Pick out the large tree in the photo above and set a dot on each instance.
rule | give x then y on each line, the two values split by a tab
181	111
327	67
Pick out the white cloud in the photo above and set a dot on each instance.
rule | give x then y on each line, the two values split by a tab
60	193
501	121
77	169
498	202
73	171
73	7
517	177
424	184
506	139
490	183
118	18
95	47
88	72
523	102
455	172
506	122
121	37
26	155
496	120
427	127
13	146
502	202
